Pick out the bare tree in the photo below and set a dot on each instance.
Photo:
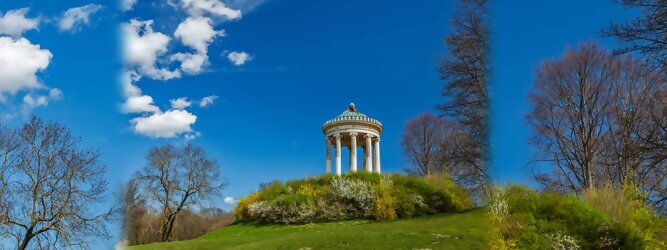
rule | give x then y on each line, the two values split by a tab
465	70
570	115
9	145
51	190
595	122
646	37
645	34
176	179
630	149
423	138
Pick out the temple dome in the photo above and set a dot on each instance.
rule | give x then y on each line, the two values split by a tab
351	114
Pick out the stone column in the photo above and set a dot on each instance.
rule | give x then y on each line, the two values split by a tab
337	136
376	154
368	154
353	152
363	149
328	154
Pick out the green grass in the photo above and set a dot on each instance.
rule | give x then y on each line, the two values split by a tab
464	230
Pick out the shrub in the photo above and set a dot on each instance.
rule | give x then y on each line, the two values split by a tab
458	196
307	190
629	214
351	196
285	209
604	218
419	190
407	203
241	212
561	241
384	202
355	192
272	190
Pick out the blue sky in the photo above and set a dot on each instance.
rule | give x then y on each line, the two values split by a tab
308	60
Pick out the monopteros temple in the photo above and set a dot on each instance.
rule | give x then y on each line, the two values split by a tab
353	129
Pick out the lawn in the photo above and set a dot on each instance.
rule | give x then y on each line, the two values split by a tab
464	230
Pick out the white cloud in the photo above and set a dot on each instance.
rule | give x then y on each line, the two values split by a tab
190	137
146	53
239	58
55	94
164	125
75	17
139	104
244	5
127	79
207	101
20	60
14	22
214	7
180	103
197	32
230	200
135	102
126	5
142	46
33	102
191	63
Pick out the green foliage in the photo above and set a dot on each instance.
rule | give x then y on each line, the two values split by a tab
352	196
408	203
629	215
604	218
272	190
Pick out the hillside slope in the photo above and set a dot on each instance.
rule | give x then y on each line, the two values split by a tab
465	230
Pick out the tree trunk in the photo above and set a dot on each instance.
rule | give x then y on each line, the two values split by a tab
26	239
164	237
170	226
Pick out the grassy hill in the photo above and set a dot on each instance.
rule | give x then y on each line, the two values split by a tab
464	230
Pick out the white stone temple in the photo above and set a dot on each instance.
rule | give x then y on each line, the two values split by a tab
353	129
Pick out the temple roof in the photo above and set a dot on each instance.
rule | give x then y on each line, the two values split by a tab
352	114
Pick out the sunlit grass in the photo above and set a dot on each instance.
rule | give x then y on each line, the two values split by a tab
465	230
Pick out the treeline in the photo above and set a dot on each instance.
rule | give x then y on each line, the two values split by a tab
142	225
160	202
600	117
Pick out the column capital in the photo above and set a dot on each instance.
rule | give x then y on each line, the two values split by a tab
353	134
368	136
337	135
376	139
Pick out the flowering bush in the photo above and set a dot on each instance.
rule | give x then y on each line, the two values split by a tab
351	196
285	209
384	201
358	194
560	241
242	208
